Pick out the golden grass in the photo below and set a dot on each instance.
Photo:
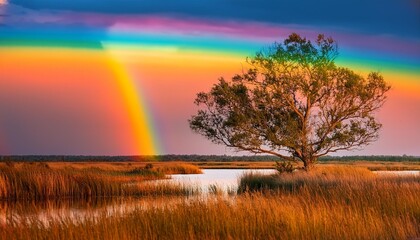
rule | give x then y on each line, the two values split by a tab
126	166
371	165
319	177
179	168
235	165
328	203
376	165
164	189
165	167
39	182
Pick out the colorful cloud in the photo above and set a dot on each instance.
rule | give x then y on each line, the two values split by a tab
82	79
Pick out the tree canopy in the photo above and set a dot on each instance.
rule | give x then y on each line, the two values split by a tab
293	102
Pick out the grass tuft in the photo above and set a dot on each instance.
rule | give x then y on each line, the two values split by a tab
39	182
327	203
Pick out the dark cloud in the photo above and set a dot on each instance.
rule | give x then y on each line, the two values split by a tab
375	16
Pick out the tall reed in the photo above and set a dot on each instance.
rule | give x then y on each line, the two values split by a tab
179	168
38	182
321	177
341	203
249	216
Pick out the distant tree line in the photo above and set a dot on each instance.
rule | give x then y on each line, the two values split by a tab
190	158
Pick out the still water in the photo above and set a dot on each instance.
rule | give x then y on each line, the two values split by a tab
226	179
77	211
398	173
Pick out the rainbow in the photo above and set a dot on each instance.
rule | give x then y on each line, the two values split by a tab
187	56
141	120
142	130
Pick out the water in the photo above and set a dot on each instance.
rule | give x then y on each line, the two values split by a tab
399	173
78	211
226	179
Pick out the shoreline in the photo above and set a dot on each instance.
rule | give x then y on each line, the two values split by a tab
371	165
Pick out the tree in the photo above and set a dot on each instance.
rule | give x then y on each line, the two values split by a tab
293	102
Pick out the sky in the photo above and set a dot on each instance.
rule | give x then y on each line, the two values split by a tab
106	77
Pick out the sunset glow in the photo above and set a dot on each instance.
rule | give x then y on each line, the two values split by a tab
86	82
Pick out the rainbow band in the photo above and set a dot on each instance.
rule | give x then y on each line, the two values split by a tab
141	124
215	46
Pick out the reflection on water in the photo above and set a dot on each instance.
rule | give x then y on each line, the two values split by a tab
399	173
45	211
77	211
226	179
52	210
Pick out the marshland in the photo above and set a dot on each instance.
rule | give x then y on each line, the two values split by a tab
139	200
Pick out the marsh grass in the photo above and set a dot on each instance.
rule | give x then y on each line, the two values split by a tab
163	189
328	203
318	178
249	216
39	182
179	168
146	173
216	190
371	165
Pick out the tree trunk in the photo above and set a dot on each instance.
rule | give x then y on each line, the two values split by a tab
308	164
